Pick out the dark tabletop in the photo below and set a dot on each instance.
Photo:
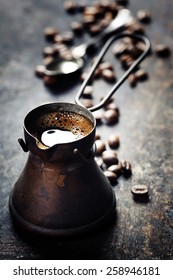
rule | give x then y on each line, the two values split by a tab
142	229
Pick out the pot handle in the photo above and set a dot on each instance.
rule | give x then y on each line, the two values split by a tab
125	75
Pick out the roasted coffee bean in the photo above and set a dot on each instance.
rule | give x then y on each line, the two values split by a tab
100	147
126	168
132	80
48	51
48	59
105	65
109	157
115	168
87	93
141	75
50	33
112	177
40	70
136	28
144	16
70	6
113	141
162	50
77	27
139	189
111	116
97	137
87	103
94	11
95	29
108	75
112	106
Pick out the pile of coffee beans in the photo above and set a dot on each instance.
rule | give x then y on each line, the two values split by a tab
107	159
94	18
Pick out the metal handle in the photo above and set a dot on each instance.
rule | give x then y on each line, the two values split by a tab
125	75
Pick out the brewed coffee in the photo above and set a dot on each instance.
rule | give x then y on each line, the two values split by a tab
61	127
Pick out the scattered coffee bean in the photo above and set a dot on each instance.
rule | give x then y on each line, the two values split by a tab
126	168
108	75
112	106
105	65
139	189
48	51
113	141
144	16
39	70
77	27
50	33
115	168
112	177
97	137
111	116
141	75
87	93
132	80
87	102
162	50
100	147
70	6
48	59
109	157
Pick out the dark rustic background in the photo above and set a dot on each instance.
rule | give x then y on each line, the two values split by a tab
141	230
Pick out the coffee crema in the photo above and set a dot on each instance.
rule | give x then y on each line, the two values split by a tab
61	127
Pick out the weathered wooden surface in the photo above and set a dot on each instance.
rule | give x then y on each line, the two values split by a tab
141	230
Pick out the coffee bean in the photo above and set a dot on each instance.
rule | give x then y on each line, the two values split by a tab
112	177
77	27
50	33
100	147
144	16
108	75
162	50
70	6
40	70
111	117
126	168
115	168
97	137
87	103
139	189
132	80
95	29
109	157
48	51
87	93
112	106
141	75
105	65
48	59
113	141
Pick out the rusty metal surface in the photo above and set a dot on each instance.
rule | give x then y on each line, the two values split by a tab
140	230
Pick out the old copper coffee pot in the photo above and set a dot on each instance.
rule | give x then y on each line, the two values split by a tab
61	190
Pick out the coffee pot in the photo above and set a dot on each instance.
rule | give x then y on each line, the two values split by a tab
62	191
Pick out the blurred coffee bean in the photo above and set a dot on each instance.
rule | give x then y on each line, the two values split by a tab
39	70
112	106
100	147
126	168
48	59
88	91
70	6
115	168
132	79
99	162
50	32
109	157
139	190
48	51
111	116
113	141
105	65
162	50
112	177
141	75
77	27
87	102
97	136
108	75
144	16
